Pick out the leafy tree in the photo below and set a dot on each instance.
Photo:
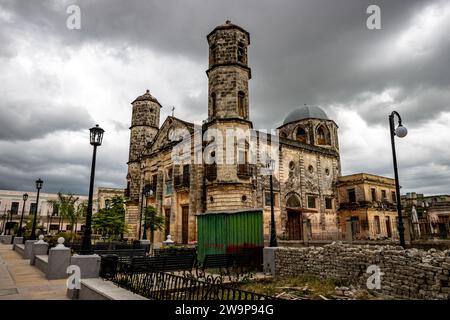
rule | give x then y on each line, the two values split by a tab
29	225
110	222
153	222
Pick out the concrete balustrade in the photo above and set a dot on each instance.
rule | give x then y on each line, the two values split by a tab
28	249
40	247
18	240
58	261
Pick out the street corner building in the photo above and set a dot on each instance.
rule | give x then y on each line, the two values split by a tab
184	185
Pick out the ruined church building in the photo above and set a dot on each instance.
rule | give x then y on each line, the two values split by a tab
304	180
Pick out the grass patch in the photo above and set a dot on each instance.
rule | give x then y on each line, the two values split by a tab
302	286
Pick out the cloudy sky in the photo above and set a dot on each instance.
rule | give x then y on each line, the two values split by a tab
57	82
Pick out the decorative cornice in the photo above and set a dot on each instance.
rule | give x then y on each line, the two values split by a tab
230	64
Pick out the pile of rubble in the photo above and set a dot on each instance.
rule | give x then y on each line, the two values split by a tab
410	273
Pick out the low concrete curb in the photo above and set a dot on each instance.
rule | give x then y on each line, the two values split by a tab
41	262
99	289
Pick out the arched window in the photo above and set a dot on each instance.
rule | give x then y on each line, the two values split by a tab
213	104
241	53
323	135
241	108
300	135
283	134
293	202
212	55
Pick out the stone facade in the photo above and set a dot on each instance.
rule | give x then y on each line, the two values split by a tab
189	172
370	202
144	127
411	273
432	215
103	195
228	72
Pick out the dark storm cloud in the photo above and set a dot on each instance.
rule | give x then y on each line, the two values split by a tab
314	52
62	164
301	51
25	120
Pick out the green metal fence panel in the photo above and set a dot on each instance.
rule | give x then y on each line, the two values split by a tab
229	232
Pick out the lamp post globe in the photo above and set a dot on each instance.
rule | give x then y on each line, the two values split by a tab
96	138
401	131
39	184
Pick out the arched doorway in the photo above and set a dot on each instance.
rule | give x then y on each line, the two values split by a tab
294	225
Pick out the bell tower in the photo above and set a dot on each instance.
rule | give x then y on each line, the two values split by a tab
144	127
228	172
228	72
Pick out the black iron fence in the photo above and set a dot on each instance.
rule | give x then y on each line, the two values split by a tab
168	286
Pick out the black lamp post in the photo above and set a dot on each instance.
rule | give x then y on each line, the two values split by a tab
400	132
147	192
49	217
140	215
8	219
4	223
39	183
273	231
25	197
96	137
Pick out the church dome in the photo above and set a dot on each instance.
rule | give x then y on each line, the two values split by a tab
305	112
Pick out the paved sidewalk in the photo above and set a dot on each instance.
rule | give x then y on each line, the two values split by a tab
21	281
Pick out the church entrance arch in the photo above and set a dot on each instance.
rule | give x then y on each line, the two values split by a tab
294	225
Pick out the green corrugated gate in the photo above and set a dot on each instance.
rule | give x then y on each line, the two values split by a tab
228	232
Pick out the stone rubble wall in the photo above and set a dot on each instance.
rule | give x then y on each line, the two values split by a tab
410	273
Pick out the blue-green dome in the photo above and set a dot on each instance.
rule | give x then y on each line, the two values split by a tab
305	112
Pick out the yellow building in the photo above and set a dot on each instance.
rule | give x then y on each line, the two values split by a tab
367	204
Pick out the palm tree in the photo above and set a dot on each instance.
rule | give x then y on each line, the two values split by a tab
66	208
80	211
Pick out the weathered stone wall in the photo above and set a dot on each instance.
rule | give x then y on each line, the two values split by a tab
310	126
144	128
411	273
228	73
304	173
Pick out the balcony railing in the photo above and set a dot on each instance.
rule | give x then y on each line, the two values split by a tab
182	181
245	170
211	171
368	204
